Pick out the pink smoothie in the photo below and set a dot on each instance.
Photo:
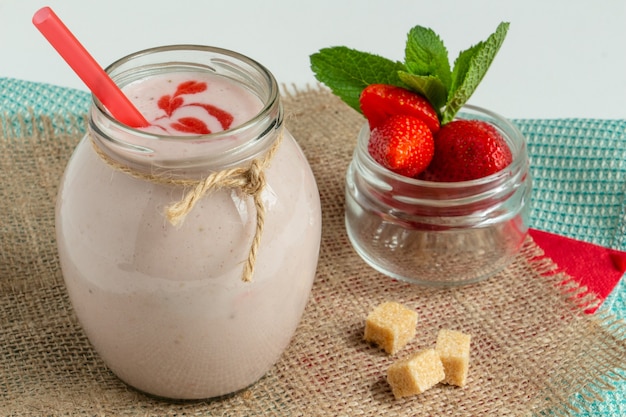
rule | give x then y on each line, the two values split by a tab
165	306
206	103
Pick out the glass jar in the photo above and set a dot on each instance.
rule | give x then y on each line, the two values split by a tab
439	233
169	307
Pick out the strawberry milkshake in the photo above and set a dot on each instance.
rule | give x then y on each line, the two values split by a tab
168	305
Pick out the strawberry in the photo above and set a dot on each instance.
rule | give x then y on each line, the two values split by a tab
380	101
403	144
467	150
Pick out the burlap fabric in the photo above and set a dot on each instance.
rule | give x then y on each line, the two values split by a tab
534	352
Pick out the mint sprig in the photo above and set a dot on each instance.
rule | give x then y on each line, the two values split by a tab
426	70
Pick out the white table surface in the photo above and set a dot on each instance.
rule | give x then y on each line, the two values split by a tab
561	58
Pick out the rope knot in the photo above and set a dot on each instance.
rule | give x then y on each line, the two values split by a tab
254	178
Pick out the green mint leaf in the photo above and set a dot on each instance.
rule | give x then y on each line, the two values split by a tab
426	54
428	86
461	67
469	69
347	72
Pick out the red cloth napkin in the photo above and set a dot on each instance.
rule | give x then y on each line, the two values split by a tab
595	267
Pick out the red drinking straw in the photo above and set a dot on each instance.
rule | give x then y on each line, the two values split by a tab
83	64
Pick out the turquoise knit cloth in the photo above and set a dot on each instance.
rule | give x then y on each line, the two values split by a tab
578	168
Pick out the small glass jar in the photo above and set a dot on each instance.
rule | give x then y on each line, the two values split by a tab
439	233
167	306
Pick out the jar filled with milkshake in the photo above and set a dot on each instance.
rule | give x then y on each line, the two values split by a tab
189	247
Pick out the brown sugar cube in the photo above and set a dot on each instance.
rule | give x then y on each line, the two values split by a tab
415	374
391	326
453	348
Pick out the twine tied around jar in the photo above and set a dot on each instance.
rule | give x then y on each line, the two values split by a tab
249	179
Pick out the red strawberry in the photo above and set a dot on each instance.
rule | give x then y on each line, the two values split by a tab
467	150
380	101
404	144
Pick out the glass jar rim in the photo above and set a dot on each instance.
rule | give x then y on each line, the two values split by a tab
269	102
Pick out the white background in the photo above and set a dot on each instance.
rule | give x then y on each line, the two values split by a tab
561	58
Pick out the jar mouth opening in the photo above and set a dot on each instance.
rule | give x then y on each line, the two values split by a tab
514	138
219	61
